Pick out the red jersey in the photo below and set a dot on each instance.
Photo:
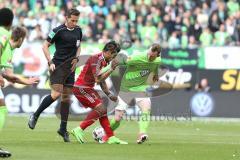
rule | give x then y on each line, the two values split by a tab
91	70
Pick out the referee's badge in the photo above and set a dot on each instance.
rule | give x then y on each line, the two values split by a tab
78	43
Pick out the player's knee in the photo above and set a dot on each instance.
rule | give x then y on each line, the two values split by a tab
55	95
102	110
118	118
146	109
144	104
118	115
65	99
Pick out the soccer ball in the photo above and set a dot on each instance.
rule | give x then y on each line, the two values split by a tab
98	134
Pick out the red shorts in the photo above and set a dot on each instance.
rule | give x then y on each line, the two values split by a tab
88	97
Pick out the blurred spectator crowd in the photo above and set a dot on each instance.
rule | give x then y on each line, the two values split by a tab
173	23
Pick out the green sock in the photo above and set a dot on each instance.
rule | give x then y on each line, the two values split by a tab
144	122
3	113
114	124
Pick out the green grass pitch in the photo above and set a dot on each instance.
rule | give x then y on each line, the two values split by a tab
185	140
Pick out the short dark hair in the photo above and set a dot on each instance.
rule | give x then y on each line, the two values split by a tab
155	47
112	46
72	11
6	17
18	32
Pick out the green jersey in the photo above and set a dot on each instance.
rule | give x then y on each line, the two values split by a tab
6	49
137	72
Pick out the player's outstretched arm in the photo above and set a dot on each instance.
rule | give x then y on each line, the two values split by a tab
105	74
11	77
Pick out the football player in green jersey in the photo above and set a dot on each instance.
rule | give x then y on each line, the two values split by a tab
6	18
141	72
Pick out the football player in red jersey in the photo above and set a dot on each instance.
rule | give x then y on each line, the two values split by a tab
88	97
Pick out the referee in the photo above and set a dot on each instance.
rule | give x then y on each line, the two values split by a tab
67	38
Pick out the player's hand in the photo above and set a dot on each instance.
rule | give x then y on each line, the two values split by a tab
33	80
52	67
113	98
74	64
114	64
1	81
155	78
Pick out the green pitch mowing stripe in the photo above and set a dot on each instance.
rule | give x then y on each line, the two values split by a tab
192	140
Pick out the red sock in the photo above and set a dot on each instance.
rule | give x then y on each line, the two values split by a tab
106	126
90	119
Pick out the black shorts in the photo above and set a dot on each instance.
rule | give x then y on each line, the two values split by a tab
62	73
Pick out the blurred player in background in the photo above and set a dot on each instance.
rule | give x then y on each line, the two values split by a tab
140	67
88	97
67	38
8	42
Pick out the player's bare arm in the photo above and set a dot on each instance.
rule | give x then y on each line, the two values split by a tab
11	77
105	89
75	60
46	52
106	74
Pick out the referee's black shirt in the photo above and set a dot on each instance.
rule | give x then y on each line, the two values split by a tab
66	42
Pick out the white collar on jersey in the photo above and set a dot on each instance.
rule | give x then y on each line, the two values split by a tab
70	29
